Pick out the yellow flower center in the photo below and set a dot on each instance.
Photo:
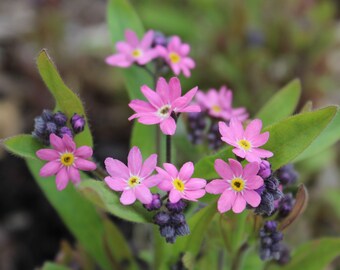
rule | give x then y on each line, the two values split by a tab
244	144
178	184
164	111
237	184
67	159
174	58
216	108
136	53
133	181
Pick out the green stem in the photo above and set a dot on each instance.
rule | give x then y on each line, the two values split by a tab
237	260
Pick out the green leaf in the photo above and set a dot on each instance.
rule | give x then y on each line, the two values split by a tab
66	101
327	138
120	17
313	255
98	193
79	215
24	146
282	104
291	136
54	266
118	248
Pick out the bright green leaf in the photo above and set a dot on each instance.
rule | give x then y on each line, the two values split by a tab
281	105
291	136
66	101
314	255
79	215
102	196
24	146
54	266
328	137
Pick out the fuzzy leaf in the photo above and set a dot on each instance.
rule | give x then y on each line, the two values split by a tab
313	255
98	193
282	104
66	100
24	146
328	137
291	136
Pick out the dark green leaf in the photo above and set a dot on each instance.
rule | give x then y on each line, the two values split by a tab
102	196
281	105
66	101
79	216
54	266
24	146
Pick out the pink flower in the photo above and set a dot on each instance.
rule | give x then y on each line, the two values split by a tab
180	184
246	142
176	55
219	104
237	185
162	104
133	180
133	50
65	160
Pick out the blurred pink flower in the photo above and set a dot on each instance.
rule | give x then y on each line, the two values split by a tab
133	180
167	100
65	160
246	142
237	185
219	104
176	55
180	184
132	50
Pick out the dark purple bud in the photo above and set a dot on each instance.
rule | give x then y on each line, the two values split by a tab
60	119
77	123
260	190
271	183
182	230
266	206
265	254
39	126
167	231
159	39
65	130
155	204
287	174
176	207
265	169
47	115
284	255
286	205
177	219
51	127
270	226
161	218
266	241
170	240
277	236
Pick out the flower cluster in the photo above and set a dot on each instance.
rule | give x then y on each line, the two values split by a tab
56	123
215	106
153	45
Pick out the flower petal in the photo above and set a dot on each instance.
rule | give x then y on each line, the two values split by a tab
141	106
50	168
163	91
186	171
217	186
61	179
168	126
195	183
152	181
74	175
147	40
128	197
260	139
239	204
85	165
115	183
171	169
149	166
152	96
253	129
236	129
250	170
226	201
57	143
193	195
47	154
223	169
149	119
135	160
175	195
254	182
252	197
84	152
175	88
143	194
116	168
131	38
165	185
70	145
191	108
236	167
119	60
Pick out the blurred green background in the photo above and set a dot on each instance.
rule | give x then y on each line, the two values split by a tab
254	47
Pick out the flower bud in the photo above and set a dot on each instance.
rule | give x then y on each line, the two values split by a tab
265	169
77	123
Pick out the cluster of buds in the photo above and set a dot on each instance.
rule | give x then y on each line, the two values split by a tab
172	223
